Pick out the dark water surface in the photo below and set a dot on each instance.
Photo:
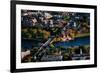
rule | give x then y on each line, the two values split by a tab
76	42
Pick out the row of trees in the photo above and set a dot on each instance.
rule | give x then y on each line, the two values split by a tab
30	33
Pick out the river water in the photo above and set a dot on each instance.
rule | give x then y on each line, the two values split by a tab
76	42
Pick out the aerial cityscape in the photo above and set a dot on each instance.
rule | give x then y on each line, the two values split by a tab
54	36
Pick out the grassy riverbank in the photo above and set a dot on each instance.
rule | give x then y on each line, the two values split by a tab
82	35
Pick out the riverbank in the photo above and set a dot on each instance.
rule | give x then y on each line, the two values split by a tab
82	35
61	39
